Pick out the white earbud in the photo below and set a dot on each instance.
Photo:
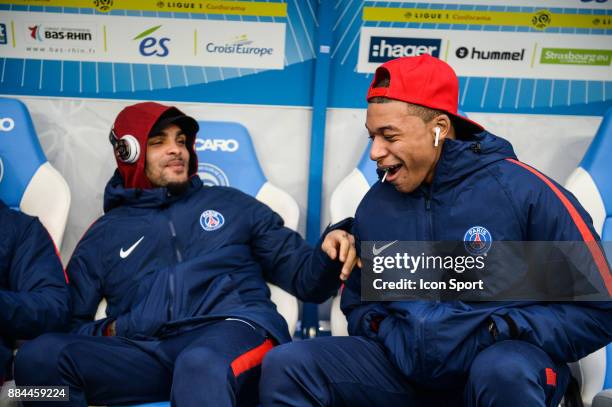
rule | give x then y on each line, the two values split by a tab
437	130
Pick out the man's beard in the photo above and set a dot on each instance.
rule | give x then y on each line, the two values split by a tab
177	188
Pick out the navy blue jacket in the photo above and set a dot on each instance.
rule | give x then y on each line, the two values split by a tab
33	289
165	263
478	182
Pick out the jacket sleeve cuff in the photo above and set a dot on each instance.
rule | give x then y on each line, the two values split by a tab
504	328
345	224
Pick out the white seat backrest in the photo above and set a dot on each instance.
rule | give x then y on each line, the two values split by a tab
343	203
280	202
283	204
581	184
48	197
347	195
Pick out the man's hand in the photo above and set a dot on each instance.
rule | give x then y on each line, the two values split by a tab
110	329
341	245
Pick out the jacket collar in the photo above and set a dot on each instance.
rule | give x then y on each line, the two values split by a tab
115	194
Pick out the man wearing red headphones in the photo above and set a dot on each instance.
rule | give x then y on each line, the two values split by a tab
183	269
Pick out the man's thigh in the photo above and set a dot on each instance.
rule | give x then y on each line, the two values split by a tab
339	371
228	338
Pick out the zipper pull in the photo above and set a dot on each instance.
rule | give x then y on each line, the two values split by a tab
172	230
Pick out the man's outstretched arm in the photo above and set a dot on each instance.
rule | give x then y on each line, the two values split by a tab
37	300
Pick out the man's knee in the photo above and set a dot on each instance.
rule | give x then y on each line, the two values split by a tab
504	364
39	358
290	357
512	373
201	364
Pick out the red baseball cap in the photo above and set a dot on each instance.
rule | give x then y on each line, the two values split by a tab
143	120
426	81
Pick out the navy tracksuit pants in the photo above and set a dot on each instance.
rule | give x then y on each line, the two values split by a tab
218	364
355	371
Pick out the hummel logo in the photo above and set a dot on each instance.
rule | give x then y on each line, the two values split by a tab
377	251
124	253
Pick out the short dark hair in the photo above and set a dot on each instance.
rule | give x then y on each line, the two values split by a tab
425	113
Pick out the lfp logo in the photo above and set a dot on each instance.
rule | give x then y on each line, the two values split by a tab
211	220
103	5
152	46
477	240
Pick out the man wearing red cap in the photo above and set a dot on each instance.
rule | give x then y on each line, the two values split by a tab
182	267
445	179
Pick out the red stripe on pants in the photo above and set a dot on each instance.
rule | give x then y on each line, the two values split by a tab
252	358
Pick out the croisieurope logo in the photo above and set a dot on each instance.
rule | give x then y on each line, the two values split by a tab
477	240
383	49
240	45
150	45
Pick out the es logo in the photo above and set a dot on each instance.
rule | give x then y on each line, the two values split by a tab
225	145
152	46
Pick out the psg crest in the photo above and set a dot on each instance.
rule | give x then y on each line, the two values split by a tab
211	220
477	240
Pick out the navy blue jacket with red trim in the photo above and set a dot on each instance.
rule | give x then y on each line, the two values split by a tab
477	182
167	263
34	295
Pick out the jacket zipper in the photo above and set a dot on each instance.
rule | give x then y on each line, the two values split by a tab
171	276
423	353
428	309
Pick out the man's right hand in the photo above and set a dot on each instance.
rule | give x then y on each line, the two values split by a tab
339	244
